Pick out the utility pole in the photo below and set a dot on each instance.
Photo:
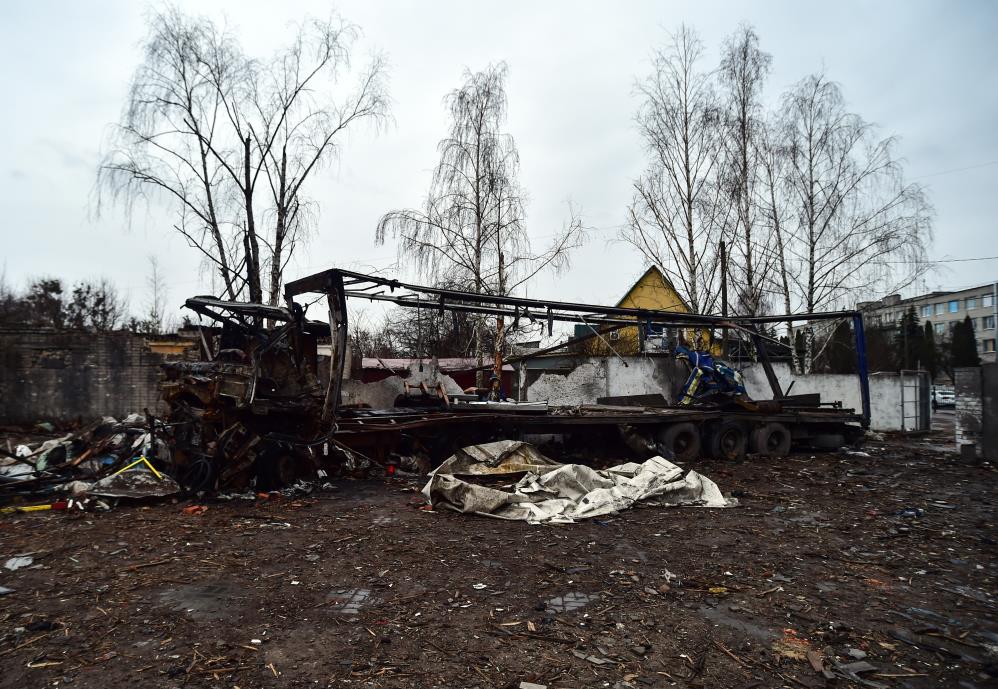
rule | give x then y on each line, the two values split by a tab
500	323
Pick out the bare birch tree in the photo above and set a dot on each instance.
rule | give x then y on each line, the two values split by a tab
860	229
743	72
679	210
471	232
204	125
156	298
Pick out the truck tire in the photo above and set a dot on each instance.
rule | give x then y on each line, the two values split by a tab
681	440
771	440
728	440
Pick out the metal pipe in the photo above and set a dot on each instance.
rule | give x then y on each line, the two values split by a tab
320	283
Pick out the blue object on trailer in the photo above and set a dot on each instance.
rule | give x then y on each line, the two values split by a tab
708	377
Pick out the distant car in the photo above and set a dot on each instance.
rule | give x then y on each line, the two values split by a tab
943	397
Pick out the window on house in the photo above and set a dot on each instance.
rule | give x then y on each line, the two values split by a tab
971	303
926	310
989	345
954	306
939	309
988	301
940	328
988	323
952	326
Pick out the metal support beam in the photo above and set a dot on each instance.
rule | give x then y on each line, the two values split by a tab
338	343
767	365
861	363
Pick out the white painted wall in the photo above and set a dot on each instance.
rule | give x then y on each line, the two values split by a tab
598	377
885	391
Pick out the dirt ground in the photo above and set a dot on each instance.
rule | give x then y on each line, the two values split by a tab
884	557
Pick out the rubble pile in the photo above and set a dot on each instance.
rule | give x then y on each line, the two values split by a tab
107	459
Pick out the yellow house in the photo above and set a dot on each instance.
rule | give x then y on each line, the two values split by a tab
651	291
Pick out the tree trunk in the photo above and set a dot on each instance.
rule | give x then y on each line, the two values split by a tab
252	243
280	231
500	323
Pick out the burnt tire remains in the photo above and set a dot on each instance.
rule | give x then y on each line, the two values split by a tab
681	440
771	440
728	440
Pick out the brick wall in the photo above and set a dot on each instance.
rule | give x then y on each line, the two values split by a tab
969	410
58	375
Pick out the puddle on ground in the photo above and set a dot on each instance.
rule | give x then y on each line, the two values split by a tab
348	601
571	601
204	602
719	616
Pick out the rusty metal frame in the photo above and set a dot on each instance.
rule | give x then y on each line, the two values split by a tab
339	285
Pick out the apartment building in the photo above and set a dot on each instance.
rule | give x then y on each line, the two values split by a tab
943	310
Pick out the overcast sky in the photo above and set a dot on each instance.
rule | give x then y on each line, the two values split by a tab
922	70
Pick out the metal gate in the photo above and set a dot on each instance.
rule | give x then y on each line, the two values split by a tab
915	401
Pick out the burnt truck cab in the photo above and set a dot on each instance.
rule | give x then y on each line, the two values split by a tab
248	405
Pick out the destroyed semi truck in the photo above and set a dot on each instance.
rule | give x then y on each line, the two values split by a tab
260	406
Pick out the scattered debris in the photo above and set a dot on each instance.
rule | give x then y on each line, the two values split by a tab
348	601
109	459
570	602
388	591
16	563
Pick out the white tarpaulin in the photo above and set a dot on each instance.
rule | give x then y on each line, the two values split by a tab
552	492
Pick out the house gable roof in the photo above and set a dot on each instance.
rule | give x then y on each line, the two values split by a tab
658	275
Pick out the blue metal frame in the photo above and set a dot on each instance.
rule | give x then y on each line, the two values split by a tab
864	372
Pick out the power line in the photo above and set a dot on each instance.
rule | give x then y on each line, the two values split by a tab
958	169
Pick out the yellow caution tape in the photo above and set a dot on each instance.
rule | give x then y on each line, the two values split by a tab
141	460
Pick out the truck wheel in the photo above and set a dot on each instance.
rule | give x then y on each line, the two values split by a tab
279	469
771	440
728	440
682	441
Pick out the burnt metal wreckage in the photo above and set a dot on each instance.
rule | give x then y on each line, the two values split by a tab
254	407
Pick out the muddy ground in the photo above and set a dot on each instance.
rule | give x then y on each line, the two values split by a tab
886	559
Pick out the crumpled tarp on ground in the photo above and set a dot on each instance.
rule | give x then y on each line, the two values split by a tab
562	493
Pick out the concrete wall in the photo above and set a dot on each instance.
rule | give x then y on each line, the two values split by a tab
50	375
596	377
381	394
885	391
